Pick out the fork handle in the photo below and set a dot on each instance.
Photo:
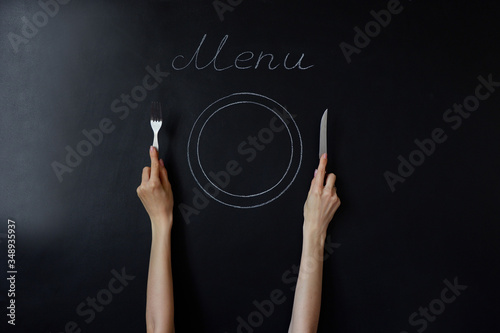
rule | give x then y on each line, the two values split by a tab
155	142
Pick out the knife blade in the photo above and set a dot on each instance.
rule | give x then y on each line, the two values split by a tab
323	134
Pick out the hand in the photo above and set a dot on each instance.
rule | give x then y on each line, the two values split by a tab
322	202
155	191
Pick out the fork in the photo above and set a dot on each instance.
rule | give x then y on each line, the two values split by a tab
156	121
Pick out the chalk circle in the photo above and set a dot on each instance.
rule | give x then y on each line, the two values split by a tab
210	187
233	112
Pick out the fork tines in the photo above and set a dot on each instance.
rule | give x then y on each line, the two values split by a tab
156	114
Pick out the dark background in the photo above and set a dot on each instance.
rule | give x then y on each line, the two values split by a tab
392	250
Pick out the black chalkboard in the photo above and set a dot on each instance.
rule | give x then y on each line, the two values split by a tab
413	92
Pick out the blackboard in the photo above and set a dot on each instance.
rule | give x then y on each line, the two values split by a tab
413	93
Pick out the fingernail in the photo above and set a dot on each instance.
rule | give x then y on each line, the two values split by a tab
151	149
161	162
315	172
324	155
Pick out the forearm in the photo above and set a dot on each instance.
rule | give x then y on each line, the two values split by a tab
307	301
160	296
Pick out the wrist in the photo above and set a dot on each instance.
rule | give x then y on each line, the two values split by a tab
313	244
313	233
161	224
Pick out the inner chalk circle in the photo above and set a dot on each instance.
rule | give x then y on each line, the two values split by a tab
251	200
244	195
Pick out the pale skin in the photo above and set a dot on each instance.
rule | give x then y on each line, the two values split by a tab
321	204
156	195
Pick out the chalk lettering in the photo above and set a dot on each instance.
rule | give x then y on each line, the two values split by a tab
243	61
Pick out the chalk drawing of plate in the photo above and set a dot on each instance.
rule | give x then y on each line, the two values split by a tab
217	188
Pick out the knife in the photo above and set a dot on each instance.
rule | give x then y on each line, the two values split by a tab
322	134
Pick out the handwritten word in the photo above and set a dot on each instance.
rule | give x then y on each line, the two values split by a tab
244	60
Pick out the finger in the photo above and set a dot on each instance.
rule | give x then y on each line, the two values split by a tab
146	172
330	182
320	175
155	164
